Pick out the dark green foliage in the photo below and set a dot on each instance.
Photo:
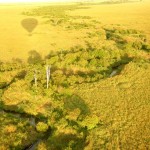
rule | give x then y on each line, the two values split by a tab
66	141
3	85
9	66
16	133
21	74
79	26
116	37
127	38
146	47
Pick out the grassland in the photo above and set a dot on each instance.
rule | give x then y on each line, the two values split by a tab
98	95
132	15
122	103
15	42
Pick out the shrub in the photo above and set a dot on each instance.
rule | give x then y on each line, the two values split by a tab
58	77
3	85
74	114
89	122
41	146
41	127
146	47
137	44
10	129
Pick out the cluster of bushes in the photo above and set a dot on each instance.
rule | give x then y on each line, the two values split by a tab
146	47
75	66
69	67
16	133
56	11
56	21
122	31
84	64
127	38
79	26
57	16
71	123
65	113
100	34
9	66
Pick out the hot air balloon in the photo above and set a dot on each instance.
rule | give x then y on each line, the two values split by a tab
29	24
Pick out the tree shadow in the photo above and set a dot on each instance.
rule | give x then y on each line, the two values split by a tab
1	62
17	60
66	140
34	57
124	60
74	102
19	76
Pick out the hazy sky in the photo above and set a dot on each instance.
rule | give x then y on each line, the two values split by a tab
14	1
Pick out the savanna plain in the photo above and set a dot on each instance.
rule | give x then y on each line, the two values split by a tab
75	76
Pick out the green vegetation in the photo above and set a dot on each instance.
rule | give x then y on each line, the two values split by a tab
63	108
16	131
98	95
42	127
57	16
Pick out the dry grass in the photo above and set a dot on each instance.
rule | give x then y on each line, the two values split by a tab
15	42
14	39
132	15
122	103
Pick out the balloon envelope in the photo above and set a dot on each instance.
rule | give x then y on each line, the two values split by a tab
29	24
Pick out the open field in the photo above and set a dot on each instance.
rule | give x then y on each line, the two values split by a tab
132	15
15	42
79	81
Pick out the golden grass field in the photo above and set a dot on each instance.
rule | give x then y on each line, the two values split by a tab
133	15
115	109
122	103
15	42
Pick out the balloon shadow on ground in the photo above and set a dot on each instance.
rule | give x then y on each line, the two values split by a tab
29	24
